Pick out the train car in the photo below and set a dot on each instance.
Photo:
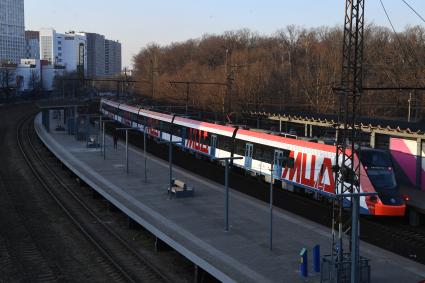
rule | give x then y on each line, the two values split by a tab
379	168
311	168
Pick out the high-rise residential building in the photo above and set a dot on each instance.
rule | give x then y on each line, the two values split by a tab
72	51
112	57
48	45
100	57
95	55
68	50
32	39
12	30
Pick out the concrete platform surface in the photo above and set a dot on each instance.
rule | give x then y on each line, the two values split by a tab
195	226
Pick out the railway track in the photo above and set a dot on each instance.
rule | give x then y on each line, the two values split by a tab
390	234
120	260
395	236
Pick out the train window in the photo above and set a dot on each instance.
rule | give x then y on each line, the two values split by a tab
177	130
199	136
164	126
110	109
375	158
263	153
141	119
152	123
267	154
240	147
225	143
184	132
258	152
133	117
127	115
382	178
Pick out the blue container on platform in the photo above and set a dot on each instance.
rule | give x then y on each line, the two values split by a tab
303	263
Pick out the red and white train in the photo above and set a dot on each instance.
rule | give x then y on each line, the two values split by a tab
312	168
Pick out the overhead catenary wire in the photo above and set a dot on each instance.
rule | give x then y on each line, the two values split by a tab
392	27
406	49
414	11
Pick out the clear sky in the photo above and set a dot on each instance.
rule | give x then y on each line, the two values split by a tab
136	23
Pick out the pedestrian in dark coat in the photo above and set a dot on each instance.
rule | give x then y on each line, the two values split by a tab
115	140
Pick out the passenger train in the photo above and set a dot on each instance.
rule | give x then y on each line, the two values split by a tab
262	153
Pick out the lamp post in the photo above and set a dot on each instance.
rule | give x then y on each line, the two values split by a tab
226	187
144	152
271	208
170	154
103	136
126	143
287	162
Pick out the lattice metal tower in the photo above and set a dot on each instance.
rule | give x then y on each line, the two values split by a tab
347	168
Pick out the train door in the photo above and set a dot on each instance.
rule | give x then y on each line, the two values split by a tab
248	155
277	164
213	145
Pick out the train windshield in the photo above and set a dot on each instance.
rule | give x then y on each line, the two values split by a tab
382	178
375	158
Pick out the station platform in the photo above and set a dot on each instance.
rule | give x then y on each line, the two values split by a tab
195	226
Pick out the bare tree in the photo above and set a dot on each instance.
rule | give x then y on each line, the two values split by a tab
295	69
7	74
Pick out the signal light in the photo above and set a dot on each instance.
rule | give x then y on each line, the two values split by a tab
406	197
390	169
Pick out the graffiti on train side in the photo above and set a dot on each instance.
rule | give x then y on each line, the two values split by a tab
311	171
151	125
197	140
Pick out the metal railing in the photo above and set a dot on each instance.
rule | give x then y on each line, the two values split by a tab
340	271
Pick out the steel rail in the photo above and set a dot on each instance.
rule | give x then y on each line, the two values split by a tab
84	231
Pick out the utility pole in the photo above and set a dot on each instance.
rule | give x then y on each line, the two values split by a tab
189	83
227	161
187	98
153	74
229	80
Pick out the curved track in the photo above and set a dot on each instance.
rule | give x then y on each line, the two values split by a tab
121	262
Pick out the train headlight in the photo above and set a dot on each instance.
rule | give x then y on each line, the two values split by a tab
406	197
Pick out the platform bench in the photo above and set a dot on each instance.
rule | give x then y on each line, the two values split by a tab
92	142
181	190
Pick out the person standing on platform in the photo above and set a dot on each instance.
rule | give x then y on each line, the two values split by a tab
115	140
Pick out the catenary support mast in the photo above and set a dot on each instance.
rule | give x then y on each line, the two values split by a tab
347	168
